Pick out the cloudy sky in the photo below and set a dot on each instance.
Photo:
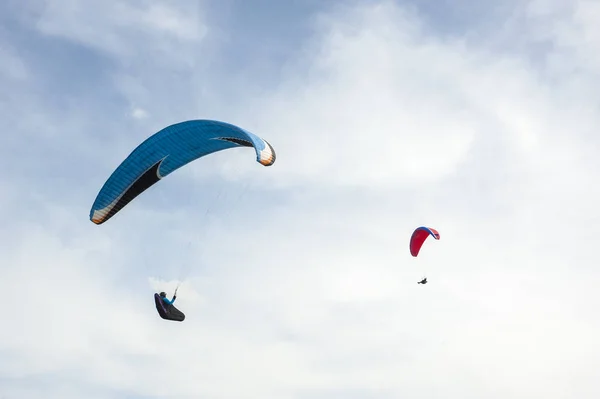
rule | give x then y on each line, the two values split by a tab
479	119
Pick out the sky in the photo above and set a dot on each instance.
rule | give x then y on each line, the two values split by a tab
477	119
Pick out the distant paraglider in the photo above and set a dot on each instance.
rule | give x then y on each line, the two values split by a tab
416	242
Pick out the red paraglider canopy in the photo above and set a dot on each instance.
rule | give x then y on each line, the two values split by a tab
419	236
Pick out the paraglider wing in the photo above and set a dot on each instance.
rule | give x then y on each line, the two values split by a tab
418	238
166	151
167	312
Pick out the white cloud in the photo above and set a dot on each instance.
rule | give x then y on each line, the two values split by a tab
139	113
124	29
12	67
301	284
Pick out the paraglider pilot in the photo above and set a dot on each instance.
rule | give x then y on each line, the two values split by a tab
166	309
424	281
